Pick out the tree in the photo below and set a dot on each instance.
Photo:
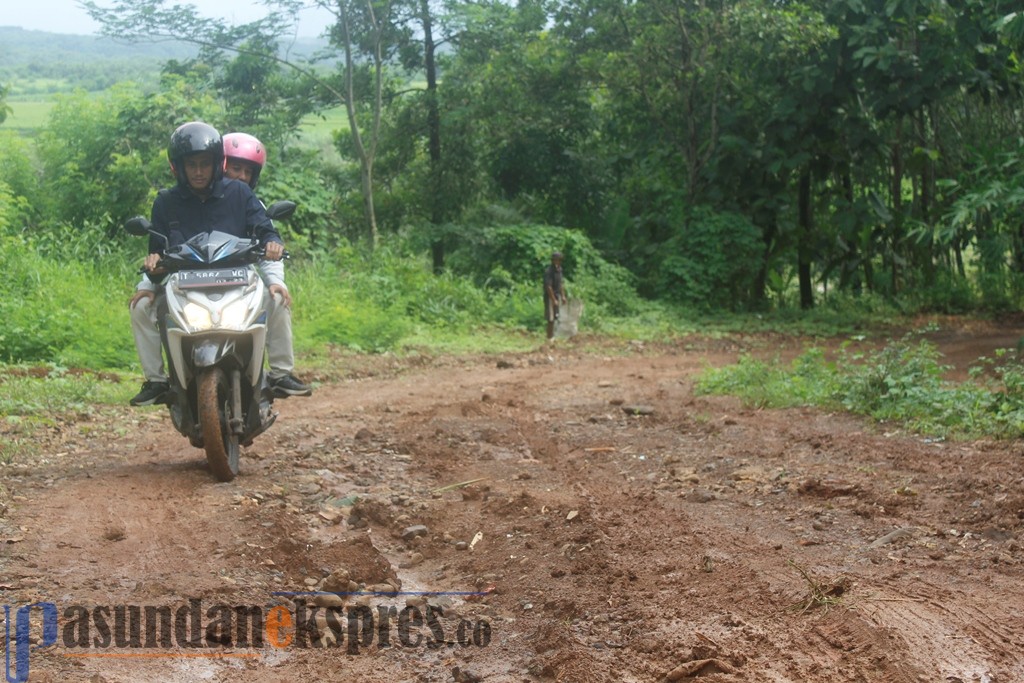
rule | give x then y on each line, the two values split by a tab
519	91
4	108
103	157
360	29
871	143
413	36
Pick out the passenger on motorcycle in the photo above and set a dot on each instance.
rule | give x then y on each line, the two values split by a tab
202	201
244	158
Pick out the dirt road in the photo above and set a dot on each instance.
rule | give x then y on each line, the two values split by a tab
617	528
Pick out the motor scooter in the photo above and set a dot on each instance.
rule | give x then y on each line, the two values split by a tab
212	314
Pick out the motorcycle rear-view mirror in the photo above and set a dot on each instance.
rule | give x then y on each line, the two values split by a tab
282	210
138	226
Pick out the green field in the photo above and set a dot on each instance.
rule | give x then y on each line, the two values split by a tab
27	116
316	129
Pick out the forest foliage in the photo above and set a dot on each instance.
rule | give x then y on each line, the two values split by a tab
727	155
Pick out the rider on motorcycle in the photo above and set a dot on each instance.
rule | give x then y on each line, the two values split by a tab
244	158
202	201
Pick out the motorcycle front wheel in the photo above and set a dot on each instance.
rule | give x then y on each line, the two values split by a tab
220	443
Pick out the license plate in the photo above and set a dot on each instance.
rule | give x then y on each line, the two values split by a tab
224	277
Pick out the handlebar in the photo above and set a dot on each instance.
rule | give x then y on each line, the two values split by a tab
166	266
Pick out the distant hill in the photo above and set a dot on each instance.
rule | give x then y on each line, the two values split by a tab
36	63
20	47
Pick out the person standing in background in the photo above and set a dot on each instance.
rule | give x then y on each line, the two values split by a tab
554	292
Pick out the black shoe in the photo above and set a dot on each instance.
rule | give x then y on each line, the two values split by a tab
152	392
287	385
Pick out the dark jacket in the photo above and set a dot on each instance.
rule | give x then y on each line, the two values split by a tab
553	281
232	207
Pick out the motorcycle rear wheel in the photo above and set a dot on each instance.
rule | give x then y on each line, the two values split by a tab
220	443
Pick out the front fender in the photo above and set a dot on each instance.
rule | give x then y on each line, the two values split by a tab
208	352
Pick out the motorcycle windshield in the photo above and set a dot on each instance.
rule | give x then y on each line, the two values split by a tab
212	248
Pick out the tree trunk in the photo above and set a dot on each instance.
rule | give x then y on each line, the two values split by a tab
366	180
804	246
896	191
869	275
848	269
437	196
759	295
927	184
366	153
1018	249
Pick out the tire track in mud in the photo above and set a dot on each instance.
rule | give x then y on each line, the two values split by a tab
970	637
942	637
124	528
103	517
741	615
179	535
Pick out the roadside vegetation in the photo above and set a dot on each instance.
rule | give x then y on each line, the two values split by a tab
901	384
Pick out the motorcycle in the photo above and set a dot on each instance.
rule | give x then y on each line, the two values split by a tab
213	328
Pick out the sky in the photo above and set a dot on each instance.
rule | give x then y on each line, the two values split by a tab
66	16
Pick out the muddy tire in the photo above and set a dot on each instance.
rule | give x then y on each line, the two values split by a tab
221	445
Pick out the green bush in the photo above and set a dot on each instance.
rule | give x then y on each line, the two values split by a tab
500	257
949	294
710	264
301	178
12	209
36	323
517	305
358	325
447	300
64	292
887	383
902	383
105	155
329	310
808	380
17	172
61	311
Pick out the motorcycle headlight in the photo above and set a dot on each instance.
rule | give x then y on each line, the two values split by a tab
197	317
234	314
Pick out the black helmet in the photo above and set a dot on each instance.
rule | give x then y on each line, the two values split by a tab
191	138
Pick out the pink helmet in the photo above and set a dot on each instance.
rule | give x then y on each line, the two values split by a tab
247	148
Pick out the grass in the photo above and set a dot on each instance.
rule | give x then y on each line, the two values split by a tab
49	390
316	130
36	400
16	448
824	596
28	116
901	383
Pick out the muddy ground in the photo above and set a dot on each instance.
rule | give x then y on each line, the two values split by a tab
617	528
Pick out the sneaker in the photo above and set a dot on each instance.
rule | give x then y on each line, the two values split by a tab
152	392
287	385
